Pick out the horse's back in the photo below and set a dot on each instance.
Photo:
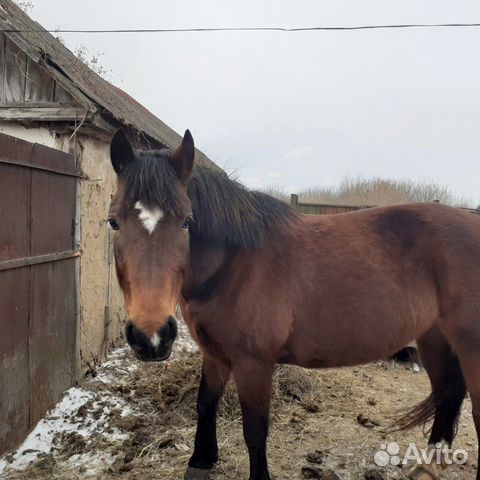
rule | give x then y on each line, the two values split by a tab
420	233
377	279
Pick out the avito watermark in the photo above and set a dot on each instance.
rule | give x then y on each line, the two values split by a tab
440	454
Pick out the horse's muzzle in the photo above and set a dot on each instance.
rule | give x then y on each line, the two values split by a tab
155	348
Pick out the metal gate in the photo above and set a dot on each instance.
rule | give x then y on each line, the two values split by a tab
37	283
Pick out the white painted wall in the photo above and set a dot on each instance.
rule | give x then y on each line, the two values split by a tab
41	135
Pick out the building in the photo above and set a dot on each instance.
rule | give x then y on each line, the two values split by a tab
60	305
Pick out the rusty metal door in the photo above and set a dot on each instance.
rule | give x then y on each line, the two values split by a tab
38	301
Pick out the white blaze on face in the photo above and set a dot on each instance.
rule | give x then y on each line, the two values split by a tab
149	217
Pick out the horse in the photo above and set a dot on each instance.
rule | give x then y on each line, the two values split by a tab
260	284
408	354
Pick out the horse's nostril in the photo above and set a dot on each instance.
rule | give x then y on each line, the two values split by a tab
135	337
129	332
173	328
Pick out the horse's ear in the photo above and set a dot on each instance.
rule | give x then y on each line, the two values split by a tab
182	158
121	152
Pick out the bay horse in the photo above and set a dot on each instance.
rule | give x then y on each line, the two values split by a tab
260	284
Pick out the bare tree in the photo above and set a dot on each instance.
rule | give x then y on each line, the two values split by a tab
375	191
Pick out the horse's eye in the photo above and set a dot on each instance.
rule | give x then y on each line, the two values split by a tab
187	223
113	223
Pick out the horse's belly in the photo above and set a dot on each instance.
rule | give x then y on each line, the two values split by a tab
346	343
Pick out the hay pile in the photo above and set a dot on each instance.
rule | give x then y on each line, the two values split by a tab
314	413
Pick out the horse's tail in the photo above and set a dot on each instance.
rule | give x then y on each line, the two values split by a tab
446	397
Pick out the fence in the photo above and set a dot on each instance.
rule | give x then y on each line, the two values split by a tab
328	208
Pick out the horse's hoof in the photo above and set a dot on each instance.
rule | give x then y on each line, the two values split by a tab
193	473
421	473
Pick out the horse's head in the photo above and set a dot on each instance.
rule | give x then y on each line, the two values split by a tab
151	214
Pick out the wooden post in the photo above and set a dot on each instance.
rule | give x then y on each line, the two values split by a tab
294	201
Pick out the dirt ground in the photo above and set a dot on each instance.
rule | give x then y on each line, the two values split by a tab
137	421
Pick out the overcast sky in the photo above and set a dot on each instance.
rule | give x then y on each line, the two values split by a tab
301	109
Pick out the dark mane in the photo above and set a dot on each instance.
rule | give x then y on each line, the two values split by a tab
226	213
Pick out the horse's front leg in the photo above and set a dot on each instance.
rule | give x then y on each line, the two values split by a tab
214	378
254	385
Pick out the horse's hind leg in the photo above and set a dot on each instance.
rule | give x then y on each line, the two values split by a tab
463	330
214	378
445	401
470	361
448	385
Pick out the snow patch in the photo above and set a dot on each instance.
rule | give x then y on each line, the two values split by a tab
116	366
63	418
95	418
40	439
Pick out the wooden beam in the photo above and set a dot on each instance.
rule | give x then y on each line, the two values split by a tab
40	105
47	258
44	114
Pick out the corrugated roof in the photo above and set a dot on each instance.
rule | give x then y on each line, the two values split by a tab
86	86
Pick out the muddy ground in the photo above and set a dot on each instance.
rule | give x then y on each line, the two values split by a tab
137	421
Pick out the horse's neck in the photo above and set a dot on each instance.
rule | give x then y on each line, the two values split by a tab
205	269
